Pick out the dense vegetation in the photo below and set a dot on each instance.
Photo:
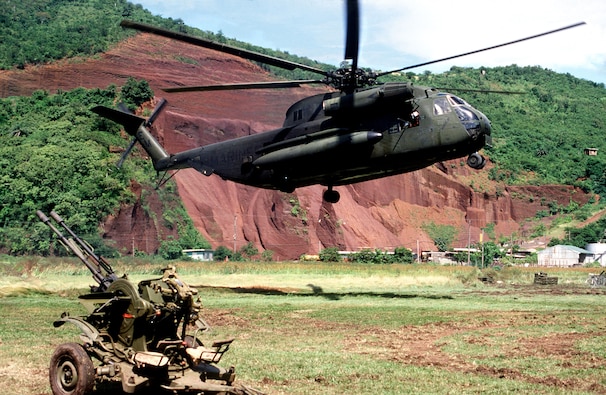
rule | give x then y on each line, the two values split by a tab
50	159
580	237
39	31
55	156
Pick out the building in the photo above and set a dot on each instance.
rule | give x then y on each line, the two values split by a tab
599	252
591	151
200	254
564	256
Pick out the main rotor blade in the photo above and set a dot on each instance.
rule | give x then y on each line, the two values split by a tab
201	42
481	91
484	49
352	42
246	85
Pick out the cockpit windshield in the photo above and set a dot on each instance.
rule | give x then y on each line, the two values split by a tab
456	101
446	103
441	106
465	114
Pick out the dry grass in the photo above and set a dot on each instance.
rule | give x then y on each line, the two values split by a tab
330	329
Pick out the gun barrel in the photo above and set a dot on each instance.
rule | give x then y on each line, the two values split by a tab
85	246
82	244
70	244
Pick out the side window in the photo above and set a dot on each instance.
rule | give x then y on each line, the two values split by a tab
298	115
441	106
415	119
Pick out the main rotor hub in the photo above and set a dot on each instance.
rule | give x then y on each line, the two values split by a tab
348	80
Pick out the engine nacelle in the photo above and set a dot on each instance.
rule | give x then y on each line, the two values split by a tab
364	99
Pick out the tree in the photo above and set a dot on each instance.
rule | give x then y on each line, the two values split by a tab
267	255
223	253
190	237
170	249
489	250
134	93
403	255
249	250
442	235
330	254
363	256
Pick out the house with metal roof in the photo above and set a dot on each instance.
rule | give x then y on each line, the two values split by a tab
564	256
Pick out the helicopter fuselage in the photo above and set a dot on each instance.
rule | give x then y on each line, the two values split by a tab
338	138
361	131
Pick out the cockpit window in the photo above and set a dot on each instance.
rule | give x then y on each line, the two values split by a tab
456	101
441	106
465	114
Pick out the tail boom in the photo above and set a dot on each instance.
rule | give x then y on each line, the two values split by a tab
135	126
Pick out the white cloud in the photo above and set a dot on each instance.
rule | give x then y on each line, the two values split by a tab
396	33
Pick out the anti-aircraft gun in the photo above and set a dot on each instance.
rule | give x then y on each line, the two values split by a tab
95	263
144	336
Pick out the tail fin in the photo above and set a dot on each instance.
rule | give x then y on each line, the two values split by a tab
135	126
130	122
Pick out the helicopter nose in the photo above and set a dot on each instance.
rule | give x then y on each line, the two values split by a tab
485	128
476	123
485	124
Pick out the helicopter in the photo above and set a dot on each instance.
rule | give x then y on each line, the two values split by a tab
360	130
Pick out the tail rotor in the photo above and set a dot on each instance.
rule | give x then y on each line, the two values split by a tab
122	107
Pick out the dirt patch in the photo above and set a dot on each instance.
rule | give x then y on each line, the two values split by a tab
217	318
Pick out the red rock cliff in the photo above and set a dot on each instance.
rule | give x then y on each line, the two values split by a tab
384	213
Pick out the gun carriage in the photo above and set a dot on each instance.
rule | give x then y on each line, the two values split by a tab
143	336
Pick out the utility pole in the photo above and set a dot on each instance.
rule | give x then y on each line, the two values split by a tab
235	232
482	242
468	242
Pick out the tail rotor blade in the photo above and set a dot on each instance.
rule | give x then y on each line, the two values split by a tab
156	112
126	153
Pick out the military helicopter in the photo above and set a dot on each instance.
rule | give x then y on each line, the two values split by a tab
361	130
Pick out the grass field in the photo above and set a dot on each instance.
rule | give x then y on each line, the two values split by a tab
319	328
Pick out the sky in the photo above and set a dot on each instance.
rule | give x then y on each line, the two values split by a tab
399	33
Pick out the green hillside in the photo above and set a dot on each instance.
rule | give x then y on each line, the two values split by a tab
53	155
39	31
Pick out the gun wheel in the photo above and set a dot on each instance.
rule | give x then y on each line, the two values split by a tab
71	371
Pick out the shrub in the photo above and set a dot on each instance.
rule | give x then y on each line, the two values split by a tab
330	254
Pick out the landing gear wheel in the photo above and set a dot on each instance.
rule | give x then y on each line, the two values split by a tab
71	371
331	196
476	161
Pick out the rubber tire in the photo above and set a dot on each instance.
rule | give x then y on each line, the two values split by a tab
476	161
71	371
331	196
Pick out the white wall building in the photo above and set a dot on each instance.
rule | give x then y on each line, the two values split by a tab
565	256
200	254
599	252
